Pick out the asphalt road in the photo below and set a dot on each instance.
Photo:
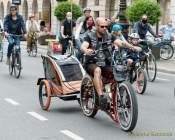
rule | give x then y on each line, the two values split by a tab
21	117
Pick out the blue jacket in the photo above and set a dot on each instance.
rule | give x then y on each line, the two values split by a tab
12	27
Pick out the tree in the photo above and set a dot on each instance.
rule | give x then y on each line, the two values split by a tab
140	7
64	7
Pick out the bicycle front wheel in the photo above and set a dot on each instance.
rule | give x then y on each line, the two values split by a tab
151	68
17	65
34	49
166	51
127	107
11	65
141	81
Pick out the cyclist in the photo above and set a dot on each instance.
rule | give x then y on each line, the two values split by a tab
168	31
67	29
133	57
81	29
32	29
13	24
142	27
91	41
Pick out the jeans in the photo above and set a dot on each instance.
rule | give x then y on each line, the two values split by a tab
12	40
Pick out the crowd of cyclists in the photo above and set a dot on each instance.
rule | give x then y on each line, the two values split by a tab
87	34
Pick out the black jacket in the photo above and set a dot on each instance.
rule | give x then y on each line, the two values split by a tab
14	27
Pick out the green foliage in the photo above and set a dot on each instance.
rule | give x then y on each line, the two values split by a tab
140	7
64	7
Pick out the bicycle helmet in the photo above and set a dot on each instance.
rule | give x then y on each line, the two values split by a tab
86	9
116	27
13	6
134	35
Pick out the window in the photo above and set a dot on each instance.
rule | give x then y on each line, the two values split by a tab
96	14
96	2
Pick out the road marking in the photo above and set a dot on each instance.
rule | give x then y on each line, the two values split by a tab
168	74
71	135
11	101
162	79
37	116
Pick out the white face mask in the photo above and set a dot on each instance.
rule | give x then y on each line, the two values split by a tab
69	18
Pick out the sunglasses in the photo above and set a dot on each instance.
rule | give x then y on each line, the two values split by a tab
103	26
13	10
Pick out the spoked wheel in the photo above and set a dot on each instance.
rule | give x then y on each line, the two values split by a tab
1	53
44	94
141	81
34	50
166	51
127	106
17	65
11	65
151	68
88	97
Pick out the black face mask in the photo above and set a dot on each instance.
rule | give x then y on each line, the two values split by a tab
144	21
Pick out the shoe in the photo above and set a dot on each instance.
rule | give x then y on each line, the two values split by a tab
103	102
8	61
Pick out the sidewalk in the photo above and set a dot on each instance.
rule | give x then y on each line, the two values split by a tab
166	66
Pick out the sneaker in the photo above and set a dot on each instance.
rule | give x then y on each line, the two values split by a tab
103	102
8	61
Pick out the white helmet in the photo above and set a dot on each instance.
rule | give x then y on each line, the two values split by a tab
86	9
134	35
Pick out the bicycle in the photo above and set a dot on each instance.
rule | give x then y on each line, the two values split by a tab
148	61
15	65
138	77
1	46
70	47
33	49
122	101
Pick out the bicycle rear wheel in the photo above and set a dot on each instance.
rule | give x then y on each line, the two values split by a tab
166	51
17	65
151	67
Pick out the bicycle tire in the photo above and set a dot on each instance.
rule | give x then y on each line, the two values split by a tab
148	70
132	99
166	48
142	89
17	65
34	49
